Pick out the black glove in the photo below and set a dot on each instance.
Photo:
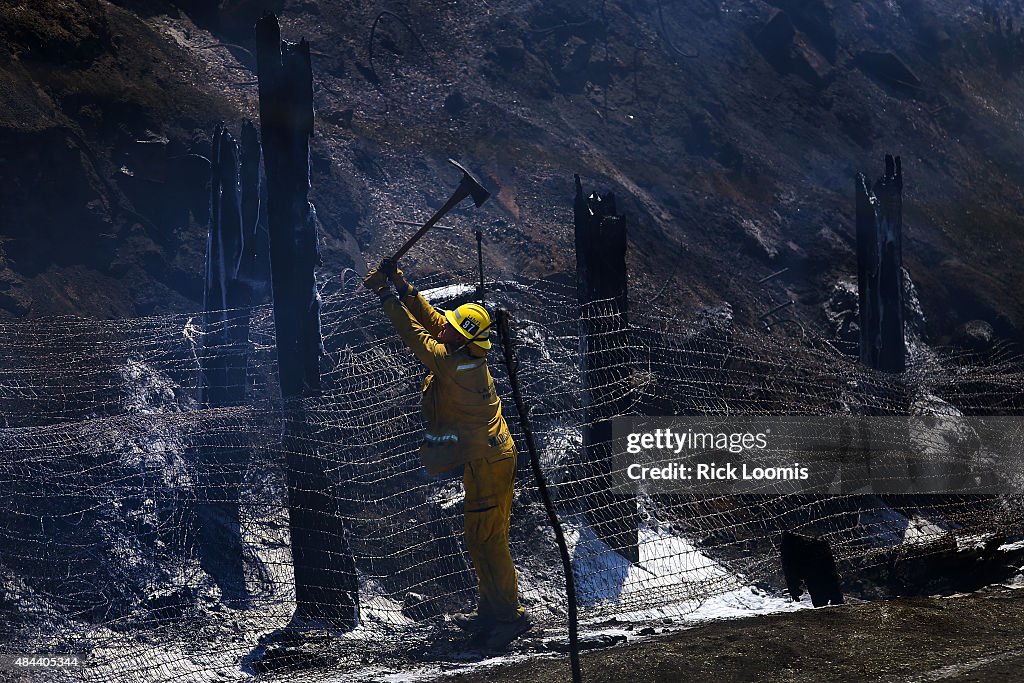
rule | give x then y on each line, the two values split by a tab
396	276
376	281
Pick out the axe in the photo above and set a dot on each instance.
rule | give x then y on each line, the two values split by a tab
469	186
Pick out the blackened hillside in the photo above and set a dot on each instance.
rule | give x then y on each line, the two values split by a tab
729	130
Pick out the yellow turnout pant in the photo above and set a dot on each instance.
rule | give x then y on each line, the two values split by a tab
488	483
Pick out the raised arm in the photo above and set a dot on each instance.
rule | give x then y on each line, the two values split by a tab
416	337
422	343
425	314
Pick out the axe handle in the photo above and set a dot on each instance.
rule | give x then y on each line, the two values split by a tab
460	194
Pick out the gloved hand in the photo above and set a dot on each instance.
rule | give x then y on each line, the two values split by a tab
396	275
376	281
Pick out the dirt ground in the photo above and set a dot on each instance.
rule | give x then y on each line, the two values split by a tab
961	638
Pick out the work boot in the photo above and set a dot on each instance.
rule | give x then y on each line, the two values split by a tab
504	632
472	622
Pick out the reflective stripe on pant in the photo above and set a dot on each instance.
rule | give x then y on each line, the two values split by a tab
488	483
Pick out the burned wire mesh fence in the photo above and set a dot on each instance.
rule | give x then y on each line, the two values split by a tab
150	534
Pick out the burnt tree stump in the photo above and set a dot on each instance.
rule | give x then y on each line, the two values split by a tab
227	297
253	264
880	269
601	291
326	586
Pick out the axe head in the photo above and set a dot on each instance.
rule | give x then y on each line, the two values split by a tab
470	185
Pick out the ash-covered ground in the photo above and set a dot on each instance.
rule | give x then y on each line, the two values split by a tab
106	552
960	639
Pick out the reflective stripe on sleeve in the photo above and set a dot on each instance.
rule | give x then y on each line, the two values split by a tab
440	438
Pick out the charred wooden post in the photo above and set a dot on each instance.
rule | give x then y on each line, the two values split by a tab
879	210
226	296
326	588
226	301
601	291
880	269
253	262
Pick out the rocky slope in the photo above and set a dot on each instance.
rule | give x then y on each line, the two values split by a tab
730	131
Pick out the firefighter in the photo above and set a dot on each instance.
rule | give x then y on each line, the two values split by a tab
464	427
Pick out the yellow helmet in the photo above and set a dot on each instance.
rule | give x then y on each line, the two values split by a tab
473	321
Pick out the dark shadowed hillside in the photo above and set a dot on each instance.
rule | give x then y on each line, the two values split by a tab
729	130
